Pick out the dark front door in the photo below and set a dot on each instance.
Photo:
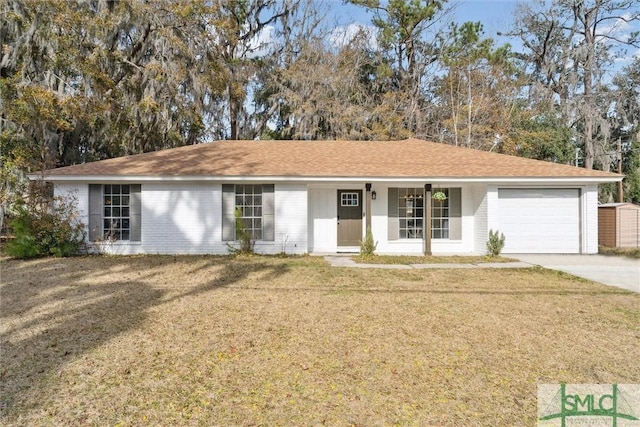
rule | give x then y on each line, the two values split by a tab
349	217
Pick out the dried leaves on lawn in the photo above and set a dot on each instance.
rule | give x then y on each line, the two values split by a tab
267	341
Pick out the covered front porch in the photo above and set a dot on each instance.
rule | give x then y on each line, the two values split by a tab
400	214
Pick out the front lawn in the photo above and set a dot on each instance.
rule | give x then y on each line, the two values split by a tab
429	259
162	340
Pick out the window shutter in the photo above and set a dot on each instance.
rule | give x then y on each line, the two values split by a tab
135	208
268	211
228	212
95	212
393	226
455	214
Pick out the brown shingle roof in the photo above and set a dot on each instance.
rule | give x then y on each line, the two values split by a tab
401	159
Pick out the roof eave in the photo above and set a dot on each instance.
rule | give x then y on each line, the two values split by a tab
300	178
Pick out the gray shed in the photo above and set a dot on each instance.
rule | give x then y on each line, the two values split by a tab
619	225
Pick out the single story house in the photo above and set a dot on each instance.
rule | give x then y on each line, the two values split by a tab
321	196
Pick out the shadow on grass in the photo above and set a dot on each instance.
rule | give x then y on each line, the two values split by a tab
52	323
54	311
235	269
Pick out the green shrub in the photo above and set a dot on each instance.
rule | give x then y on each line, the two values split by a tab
495	243
243	236
46	228
24	244
368	245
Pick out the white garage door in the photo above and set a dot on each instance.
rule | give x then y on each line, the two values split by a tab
540	220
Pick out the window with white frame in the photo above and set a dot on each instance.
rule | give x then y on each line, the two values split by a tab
440	216
249	204
349	199
411	212
116	212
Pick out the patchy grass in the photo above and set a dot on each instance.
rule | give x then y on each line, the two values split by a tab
625	252
159	340
428	259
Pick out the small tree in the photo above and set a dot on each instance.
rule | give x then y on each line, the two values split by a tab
495	243
45	226
368	245
243	236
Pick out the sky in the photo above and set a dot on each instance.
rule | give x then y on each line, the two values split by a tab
495	15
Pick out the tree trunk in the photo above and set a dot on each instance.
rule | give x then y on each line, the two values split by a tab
469	106
454	111
588	92
234	106
233	118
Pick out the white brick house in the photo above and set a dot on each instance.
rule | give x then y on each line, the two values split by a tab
320	197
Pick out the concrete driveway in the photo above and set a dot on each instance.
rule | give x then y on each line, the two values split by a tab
609	270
